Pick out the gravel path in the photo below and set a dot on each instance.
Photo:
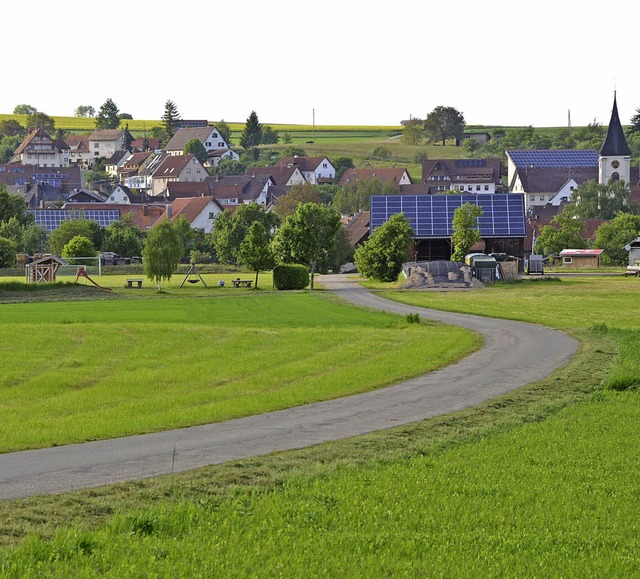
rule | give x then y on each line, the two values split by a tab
514	354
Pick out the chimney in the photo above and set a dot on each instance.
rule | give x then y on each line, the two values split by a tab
169	210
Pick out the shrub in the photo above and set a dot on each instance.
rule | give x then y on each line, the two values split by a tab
290	277
413	318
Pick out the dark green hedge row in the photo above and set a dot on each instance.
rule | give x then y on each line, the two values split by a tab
290	277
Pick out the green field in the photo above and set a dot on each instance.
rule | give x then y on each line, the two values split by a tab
540	482
87	370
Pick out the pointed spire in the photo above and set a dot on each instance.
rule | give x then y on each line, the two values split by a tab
615	144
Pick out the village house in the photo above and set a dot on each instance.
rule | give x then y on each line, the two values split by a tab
200	212
184	168
316	170
397	175
462	175
39	149
216	147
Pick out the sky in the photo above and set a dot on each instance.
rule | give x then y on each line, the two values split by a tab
543	64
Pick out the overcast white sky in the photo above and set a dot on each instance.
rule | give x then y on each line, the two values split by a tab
353	63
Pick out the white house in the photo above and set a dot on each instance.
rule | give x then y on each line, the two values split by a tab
39	149
120	195
199	212
105	143
314	169
209	137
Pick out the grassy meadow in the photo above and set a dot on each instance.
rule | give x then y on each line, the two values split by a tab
85	370
540	482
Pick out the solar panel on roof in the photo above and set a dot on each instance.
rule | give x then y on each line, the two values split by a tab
431	216
471	162
51	219
555	158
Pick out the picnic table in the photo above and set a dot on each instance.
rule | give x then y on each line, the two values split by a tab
242	282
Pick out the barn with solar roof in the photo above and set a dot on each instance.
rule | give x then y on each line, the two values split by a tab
502	224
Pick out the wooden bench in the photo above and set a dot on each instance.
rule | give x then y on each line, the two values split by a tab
242	282
130	283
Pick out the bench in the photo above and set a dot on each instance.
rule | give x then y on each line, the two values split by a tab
130	283
242	282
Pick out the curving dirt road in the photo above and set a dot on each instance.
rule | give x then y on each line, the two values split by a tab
514	354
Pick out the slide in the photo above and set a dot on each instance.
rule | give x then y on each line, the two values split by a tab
82	272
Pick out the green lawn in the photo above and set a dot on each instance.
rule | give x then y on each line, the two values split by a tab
86	370
542	482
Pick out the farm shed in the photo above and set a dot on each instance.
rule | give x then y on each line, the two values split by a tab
44	269
576	258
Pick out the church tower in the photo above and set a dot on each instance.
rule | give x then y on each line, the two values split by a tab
615	155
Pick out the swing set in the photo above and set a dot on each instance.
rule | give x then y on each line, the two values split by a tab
193	276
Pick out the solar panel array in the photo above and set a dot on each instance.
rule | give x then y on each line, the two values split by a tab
471	163
431	216
555	158
51	219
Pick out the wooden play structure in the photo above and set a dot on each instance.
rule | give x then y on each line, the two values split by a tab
43	269
193	276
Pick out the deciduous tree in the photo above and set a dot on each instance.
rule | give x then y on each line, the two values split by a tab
564	232
296	195
382	255
465	230
41	121
84	111
24	110
308	236
613	235
443	123
255	251
196	148
162	252
593	200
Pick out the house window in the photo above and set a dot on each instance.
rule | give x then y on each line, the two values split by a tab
211	215
188	169
470	188
486	187
324	165
207	143
96	145
532	197
477	187
214	135
567	260
220	144
541	197
198	170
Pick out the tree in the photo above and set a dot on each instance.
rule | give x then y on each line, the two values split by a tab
79	246
252	133
413	132
12	206
308	236
593	200
12	128
613	235
8	251
296	195
225	132
85	111
186	234
162	252
170	118
107	117
123	238
196	148
465	230
269	136
229	167
41	121
564	232
342	164
71	228
443	123
230	229
255	251
382	255
28	237
24	110
382	152
635	123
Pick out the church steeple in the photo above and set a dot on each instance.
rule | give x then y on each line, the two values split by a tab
615	154
615	145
